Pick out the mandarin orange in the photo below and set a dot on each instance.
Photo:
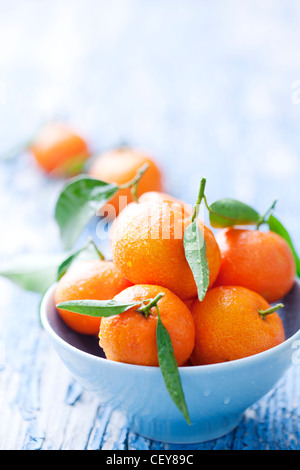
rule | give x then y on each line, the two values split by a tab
147	246
130	337
90	279
59	150
228	325
121	165
261	261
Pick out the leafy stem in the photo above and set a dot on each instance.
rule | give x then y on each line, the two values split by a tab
133	183
81	199
153	303
263	219
195	247
93	244
66	263
199	199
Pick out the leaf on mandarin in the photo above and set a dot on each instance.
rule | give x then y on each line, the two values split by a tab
195	253
67	262
96	308
229	212
77	203
169	369
276	226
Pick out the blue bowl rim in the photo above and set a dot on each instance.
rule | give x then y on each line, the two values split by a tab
183	369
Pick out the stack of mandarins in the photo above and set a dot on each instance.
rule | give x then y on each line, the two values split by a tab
248	270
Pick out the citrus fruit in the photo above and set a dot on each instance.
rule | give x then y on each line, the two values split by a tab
261	261
130	337
59	150
156	196
119	166
90	279
228	325
147	246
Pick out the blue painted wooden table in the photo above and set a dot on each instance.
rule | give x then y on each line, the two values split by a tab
210	89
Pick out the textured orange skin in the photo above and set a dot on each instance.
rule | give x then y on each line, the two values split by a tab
156	196
131	338
144	255
56	146
121	165
261	261
94	279
228	326
190	302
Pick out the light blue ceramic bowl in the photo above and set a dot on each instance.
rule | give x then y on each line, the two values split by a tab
217	395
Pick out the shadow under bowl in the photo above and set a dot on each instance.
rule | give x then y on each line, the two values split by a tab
217	395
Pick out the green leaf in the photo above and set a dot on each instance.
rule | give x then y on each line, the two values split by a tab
32	272
169	369
64	266
276	226
97	308
77	203
229	212
195	253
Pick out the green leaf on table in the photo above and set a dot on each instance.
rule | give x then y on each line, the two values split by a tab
97	308
77	203
229	212
195	253
32	272
276	226
169	369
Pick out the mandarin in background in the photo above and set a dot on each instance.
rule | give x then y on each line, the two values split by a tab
59	150
261	261
229	325
90	279
119	166
130	337
147	246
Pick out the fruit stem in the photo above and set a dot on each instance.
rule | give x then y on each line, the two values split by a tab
145	309
262	219
264	313
133	183
91	242
199	199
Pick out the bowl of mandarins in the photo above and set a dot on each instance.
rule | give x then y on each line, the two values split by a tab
189	323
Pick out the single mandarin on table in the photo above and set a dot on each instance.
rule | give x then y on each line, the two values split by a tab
59	150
